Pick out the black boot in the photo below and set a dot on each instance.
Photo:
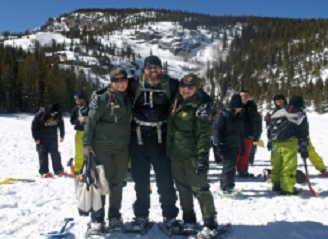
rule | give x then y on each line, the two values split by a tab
115	219
276	187
210	222
189	217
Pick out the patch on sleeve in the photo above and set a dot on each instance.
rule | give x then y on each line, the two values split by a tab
95	101
204	111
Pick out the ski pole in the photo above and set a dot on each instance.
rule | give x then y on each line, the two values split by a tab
308	179
70	164
8	180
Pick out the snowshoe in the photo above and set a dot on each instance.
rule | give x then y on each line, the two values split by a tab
323	173
47	175
190	228
95	230
219	233
172	227
115	224
62	174
139	225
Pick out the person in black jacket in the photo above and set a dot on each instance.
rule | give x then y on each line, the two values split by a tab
79	116
44	132
251	132
254	147
228	136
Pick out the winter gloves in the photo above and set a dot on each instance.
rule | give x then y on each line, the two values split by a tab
202	163
269	145
304	153
302	149
86	150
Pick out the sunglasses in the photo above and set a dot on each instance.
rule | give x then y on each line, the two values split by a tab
183	85
148	68
115	80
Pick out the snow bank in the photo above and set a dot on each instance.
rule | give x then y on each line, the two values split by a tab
26	209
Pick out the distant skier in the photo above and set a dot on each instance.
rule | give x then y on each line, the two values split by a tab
79	116
251	132
228	136
288	133
188	144
44	131
280	102
254	147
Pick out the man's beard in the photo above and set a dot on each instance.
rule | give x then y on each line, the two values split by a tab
153	79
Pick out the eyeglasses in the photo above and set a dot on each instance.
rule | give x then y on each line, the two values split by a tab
115	80
148	68
183	85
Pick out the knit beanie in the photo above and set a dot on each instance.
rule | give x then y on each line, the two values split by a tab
235	102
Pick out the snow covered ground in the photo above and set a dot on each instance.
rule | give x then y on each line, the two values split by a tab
27	209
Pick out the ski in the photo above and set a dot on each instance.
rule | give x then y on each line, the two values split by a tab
237	194
127	228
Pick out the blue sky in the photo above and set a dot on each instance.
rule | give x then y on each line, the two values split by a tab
19	15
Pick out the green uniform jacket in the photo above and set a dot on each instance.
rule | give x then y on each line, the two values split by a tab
101	126
188	134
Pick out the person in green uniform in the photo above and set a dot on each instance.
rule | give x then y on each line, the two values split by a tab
107	136
188	145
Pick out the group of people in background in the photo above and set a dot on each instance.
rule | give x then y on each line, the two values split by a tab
159	121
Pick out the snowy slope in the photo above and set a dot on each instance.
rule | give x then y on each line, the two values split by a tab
26	209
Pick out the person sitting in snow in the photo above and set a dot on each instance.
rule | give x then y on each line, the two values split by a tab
288	133
280	102
188	133
44	131
228	136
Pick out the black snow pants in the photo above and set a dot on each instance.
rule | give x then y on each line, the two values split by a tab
229	160
45	147
217	156
152	152
252	154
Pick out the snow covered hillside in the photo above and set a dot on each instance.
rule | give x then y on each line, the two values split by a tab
181	49
28	209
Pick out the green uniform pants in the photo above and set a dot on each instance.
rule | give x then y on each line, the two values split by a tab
78	152
315	159
115	160
189	183
284	163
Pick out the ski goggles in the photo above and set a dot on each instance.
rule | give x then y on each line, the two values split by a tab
189	86
116	80
148	68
